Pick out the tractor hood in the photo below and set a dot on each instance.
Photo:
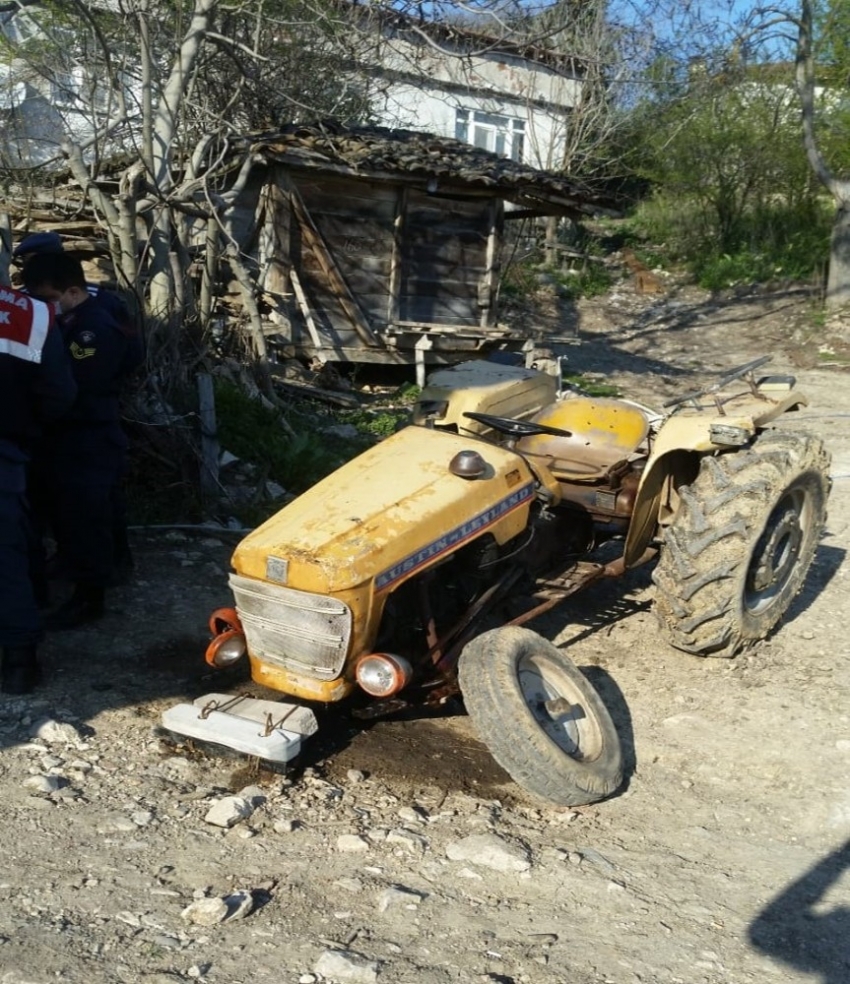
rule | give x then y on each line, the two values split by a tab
387	514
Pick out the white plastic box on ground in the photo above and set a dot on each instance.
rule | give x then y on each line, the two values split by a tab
271	730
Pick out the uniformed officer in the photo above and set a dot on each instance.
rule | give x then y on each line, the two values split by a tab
27	249
51	242
83	454
36	387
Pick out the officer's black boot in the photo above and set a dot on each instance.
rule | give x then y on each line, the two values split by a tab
85	605
20	670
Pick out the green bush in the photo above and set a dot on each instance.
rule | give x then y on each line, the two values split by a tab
588	387
522	280
384	416
669	224
591	281
377	423
255	433
774	242
735	198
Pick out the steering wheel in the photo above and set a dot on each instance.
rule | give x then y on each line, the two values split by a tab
516	428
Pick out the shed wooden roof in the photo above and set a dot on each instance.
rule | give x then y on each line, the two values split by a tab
438	163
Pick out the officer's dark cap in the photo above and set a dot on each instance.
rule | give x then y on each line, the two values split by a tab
38	242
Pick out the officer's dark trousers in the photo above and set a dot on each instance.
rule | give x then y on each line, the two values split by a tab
85	469
20	621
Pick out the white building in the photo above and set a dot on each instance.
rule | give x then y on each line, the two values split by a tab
510	100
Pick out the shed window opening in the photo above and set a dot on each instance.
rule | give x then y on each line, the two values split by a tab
502	135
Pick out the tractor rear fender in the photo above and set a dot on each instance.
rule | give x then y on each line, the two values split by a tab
655	496
682	441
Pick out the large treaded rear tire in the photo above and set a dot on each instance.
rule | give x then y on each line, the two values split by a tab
540	717
741	543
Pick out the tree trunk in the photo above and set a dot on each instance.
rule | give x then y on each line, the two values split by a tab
209	273
838	280
164	134
161	284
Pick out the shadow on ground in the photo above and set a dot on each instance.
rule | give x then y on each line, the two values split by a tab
802	929
826	564
646	329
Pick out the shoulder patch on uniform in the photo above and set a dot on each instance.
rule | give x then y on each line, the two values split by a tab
80	352
86	337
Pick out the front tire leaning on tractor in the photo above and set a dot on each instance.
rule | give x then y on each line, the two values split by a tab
740	546
540	717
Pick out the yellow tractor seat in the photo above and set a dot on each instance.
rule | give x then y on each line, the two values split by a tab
603	433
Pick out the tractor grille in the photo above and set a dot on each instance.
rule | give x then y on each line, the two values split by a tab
304	632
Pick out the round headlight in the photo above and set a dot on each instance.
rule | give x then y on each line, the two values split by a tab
226	649
383	674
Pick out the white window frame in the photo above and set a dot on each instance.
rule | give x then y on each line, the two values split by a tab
496	132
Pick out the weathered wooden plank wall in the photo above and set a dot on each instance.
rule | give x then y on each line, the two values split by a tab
444	261
355	219
367	255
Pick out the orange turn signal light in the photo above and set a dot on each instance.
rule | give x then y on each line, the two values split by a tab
223	619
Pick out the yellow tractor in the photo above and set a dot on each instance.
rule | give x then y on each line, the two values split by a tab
409	573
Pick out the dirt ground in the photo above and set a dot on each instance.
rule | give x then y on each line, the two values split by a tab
399	852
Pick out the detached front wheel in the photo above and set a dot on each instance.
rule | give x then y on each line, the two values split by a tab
540	717
740	546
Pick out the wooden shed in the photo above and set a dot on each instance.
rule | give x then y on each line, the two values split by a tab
378	245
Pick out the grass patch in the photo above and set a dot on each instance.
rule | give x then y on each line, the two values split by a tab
520	280
375	423
385	415
592	280
833	358
324	439
255	433
789	262
779	242
579	271
589	387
